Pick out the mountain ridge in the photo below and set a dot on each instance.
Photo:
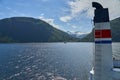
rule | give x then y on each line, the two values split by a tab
27	29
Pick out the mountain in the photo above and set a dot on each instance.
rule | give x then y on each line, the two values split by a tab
26	29
115	28
77	34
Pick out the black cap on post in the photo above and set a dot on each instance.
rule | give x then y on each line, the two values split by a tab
101	14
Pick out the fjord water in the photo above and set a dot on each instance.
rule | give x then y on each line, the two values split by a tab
43	61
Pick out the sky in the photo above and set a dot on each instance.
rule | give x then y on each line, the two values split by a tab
67	15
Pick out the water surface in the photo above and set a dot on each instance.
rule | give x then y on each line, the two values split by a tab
44	61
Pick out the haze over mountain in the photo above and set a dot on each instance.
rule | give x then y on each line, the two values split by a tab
77	34
115	27
25	29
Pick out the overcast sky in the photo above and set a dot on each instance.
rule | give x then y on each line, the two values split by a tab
67	15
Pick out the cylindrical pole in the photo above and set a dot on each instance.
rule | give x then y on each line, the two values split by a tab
103	62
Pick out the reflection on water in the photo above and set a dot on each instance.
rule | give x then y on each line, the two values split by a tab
116	50
45	61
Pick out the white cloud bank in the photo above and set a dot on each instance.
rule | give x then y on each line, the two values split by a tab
85	6
65	18
50	21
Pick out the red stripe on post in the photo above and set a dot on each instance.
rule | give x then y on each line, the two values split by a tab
103	33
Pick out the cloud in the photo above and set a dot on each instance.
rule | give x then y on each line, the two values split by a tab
85	6
50	21
78	6
73	26
65	18
78	32
114	7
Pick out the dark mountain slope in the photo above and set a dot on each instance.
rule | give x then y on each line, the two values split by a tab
24	29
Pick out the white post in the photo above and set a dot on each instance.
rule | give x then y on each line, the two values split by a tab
103	62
